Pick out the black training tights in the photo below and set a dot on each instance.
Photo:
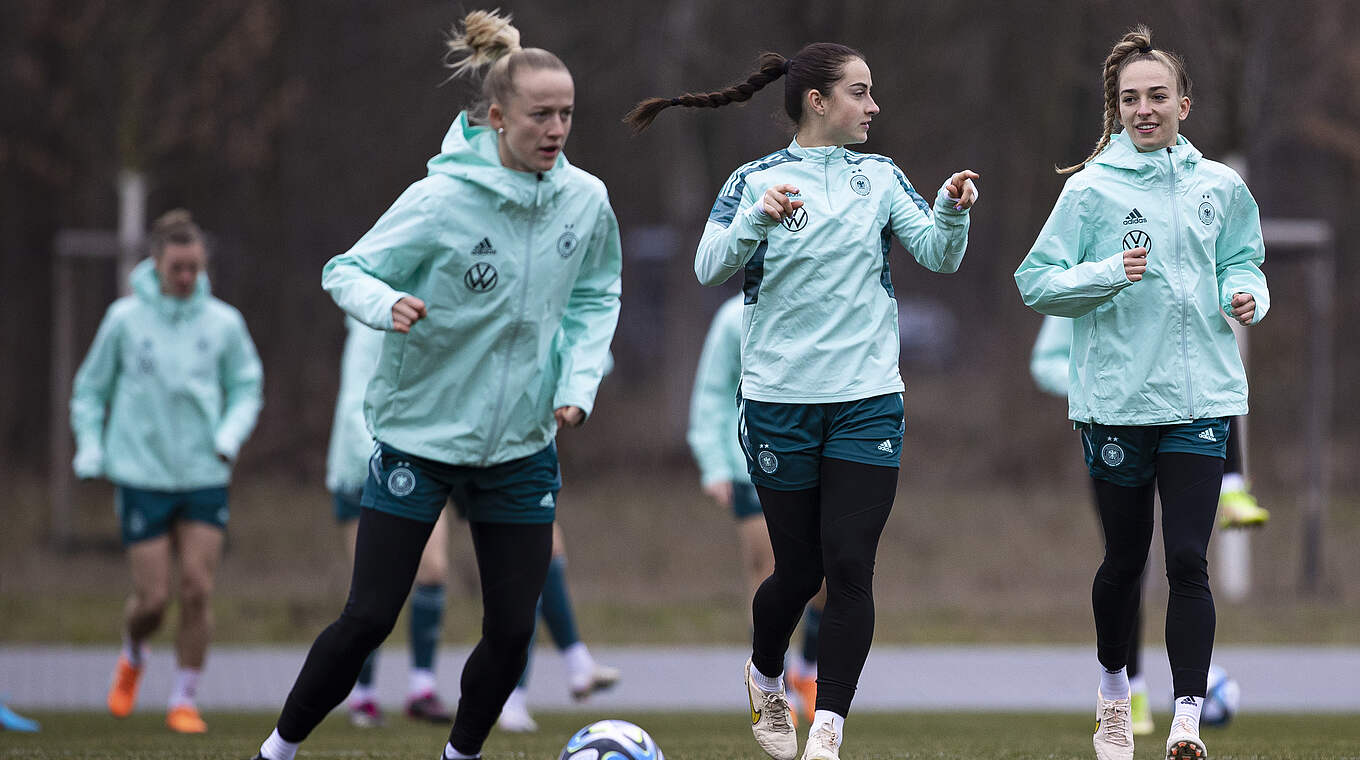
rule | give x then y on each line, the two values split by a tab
829	531
1188	484
512	561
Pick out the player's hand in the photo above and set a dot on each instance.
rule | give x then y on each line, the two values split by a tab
961	186
777	203
569	416
1135	263
1243	308
720	492
406	312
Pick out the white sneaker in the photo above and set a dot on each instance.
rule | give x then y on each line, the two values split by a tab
1184	742
598	678
771	720
1113	738
823	744
515	717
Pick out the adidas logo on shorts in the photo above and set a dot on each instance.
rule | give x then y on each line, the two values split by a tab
1208	435
886	446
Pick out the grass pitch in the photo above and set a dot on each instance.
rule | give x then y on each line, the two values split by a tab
682	736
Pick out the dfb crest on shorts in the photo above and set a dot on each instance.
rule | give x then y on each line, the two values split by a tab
768	461
1112	454
401	481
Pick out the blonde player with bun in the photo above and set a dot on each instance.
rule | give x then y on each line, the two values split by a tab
1148	246
496	278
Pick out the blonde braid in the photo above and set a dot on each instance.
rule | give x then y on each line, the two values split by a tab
1138	41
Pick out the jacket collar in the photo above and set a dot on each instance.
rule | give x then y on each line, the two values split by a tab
818	153
1122	154
146	285
470	153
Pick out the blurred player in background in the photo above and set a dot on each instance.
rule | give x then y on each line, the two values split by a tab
723	474
821	412
498	278
351	446
1155	371
169	391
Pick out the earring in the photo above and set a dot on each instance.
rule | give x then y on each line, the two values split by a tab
500	130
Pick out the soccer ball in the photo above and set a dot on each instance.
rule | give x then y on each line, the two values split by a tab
1221	699
611	740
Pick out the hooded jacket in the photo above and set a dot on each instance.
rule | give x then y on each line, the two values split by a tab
519	273
820	322
1157	351
168	385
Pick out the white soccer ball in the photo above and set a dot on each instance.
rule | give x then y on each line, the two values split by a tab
611	740
1221	699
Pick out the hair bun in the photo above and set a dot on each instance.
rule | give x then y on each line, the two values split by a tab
486	36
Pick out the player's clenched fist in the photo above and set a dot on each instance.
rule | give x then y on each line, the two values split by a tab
1135	263
406	312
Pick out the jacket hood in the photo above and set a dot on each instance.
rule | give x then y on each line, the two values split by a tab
1122	154
469	153
146	285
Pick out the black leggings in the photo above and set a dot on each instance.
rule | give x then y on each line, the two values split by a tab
1188	484
1135	656
512	561
830	531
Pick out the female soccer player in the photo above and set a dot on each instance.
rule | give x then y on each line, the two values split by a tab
713	441
498	277
821	413
346	470
161	405
1145	248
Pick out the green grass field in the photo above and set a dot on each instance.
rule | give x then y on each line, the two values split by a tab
682	736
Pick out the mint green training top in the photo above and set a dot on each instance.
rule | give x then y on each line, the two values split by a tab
1157	351
712	432
351	444
820	319
519	272
168	385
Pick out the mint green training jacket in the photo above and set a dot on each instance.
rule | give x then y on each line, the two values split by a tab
1051	358
168	385
1156	351
519	273
712	433
351	444
820	322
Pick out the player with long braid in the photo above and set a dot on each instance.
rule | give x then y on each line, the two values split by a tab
810	227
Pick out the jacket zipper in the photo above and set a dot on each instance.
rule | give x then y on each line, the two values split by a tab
1180	289
498	424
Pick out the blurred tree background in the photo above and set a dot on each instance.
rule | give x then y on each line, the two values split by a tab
288	126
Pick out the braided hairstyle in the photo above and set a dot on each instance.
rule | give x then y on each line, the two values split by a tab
487	40
816	67
1135	45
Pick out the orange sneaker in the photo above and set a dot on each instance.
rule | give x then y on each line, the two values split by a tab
805	686
184	719
123	692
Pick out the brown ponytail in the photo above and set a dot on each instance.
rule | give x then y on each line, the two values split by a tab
815	67
1135	45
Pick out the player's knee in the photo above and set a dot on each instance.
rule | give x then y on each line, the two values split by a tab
195	591
150	604
366	628
1186	564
